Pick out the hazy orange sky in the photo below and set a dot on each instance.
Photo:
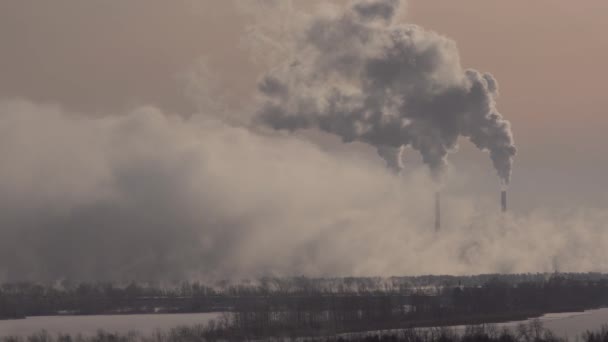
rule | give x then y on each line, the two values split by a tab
550	59
548	55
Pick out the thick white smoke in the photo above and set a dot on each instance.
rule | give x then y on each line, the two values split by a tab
148	196
359	75
144	195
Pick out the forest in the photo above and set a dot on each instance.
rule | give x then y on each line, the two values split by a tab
322	306
531	332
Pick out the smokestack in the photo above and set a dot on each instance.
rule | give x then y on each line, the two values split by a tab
437	211
503	200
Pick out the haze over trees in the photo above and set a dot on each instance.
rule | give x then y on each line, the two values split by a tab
324	305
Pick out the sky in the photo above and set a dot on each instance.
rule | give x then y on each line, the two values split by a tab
146	104
548	57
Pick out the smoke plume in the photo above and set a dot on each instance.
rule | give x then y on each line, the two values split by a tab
144	195
140	194
363	77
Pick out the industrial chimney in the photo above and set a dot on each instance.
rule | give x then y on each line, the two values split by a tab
503	200
437	211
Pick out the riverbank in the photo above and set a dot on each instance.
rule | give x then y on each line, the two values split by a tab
531	332
565	324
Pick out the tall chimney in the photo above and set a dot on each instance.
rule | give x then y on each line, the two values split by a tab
437	211
503	200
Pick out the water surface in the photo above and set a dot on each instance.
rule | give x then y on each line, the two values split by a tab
570	324
564	324
88	325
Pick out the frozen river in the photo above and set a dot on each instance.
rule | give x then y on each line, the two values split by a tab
566	324
563	324
572	324
88	325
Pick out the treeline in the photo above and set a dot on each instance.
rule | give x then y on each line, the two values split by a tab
28	299
532	332
494	301
328	304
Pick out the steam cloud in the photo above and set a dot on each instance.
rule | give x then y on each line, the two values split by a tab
365	78
144	195
147	196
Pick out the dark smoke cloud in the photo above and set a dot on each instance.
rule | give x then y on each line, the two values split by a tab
389	85
392	156
376	9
